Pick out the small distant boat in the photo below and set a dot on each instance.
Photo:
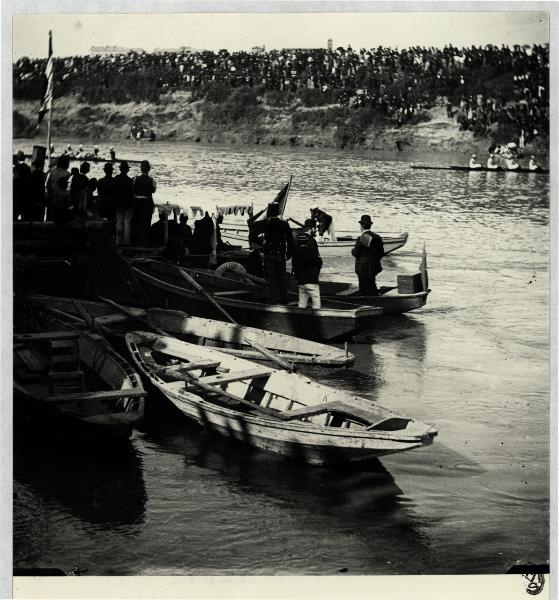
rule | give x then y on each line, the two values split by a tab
483	169
238	234
227	337
166	287
281	412
74	381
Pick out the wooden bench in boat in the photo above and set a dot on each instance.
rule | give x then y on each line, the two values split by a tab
236	376
193	366
335	406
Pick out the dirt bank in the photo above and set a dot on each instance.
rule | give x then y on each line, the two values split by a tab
176	116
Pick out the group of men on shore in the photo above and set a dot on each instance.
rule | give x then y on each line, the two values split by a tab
273	237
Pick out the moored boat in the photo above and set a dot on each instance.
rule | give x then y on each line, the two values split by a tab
285	413
74	381
167	288
238	235
227	337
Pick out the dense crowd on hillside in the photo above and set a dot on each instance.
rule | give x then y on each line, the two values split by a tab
480	86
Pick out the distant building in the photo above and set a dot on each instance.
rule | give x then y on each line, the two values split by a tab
330	44
104	50
258	49
176	50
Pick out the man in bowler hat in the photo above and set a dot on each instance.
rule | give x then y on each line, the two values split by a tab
368	251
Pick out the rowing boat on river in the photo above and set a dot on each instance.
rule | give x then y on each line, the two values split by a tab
167	288
285	413
482	169
238	235
227	337
75	382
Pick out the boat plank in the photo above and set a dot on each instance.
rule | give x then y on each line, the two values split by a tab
237	376
102	395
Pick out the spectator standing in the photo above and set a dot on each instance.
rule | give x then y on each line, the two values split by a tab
368	251
122	188
143	188
105	191
58	198
37	192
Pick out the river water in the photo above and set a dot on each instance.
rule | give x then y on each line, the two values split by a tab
473	362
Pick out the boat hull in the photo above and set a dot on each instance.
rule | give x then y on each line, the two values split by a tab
238	235
313	448
320	324
481	169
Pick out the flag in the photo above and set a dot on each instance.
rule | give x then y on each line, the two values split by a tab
423	270
281	198
47	97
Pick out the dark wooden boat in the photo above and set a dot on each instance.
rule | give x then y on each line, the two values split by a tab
75	382
483	169
281	412
167	288
227	337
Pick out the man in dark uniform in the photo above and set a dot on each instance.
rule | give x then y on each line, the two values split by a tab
143	188
278	248
368	251
105	191
122	188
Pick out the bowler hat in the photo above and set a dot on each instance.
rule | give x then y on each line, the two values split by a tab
366	221
124	166
144	165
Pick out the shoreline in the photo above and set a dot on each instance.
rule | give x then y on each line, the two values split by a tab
176	118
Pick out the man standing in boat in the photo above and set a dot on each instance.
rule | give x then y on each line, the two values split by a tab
122	189
306	264
278	247
368	251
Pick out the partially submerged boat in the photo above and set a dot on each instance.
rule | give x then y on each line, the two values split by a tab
227	337
74	381
167	288
282	412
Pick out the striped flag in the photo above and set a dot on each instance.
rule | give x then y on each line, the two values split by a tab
47	97
423	270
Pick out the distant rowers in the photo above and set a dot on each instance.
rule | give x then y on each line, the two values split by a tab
473	162
533	165
512	165
491	162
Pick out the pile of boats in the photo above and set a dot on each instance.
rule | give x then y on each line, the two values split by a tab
209	344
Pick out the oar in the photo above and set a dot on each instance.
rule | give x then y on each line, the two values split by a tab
132	315
267	353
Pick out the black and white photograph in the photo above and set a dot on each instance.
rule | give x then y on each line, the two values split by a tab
280	287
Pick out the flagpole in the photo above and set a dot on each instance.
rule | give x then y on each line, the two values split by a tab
286	196
50	102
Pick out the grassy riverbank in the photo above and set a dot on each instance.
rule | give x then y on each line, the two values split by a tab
246	120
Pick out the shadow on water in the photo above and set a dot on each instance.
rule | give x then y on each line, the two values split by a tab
97	487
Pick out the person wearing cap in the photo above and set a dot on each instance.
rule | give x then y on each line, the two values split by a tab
122	190
37	198
368	251
58	197
277	248
306	264
474	163
533	165
143	188
105	191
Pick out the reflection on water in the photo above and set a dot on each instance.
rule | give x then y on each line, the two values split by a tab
473	362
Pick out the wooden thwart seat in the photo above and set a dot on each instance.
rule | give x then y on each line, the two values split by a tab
335	406
193	366
236	376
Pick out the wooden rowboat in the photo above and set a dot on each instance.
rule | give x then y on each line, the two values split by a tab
285	413
74	381
483	169
167	288
238	235
228	338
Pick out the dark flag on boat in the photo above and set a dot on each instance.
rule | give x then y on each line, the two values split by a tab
281	198
47	96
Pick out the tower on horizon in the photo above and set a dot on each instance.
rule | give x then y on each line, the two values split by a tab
330	44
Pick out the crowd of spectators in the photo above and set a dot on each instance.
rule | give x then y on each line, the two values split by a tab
481	86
